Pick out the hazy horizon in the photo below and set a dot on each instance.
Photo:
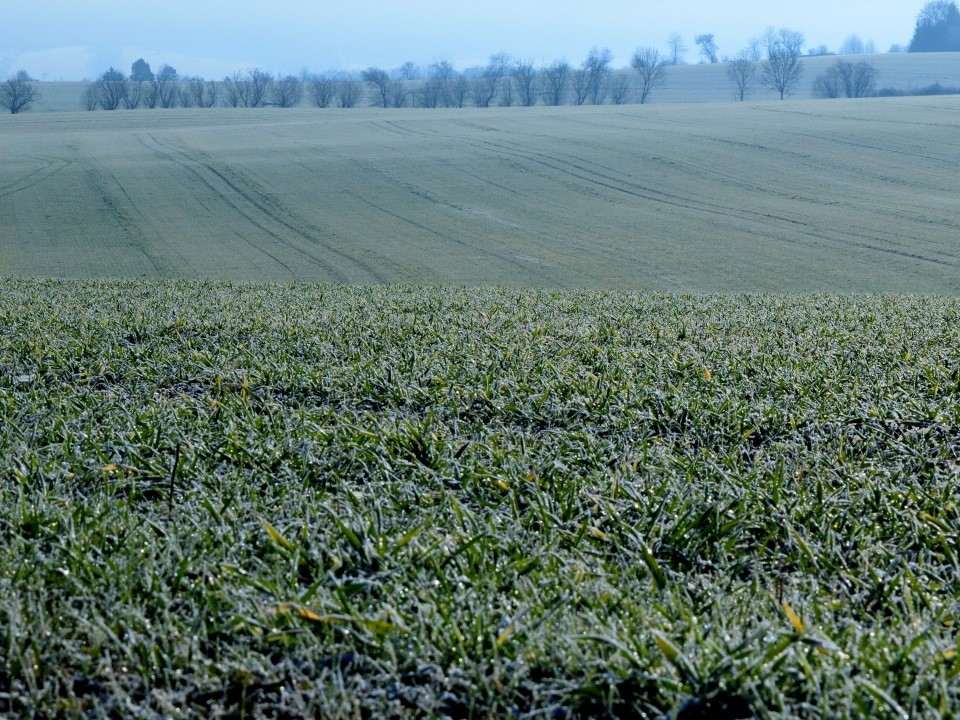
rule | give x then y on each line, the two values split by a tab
61	40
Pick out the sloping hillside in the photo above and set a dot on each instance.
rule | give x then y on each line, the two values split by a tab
811	195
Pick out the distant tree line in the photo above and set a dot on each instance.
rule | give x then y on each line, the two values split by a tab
771	61
504	81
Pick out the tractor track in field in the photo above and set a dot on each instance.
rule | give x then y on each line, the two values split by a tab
755	187
900	151
863	238
229	188
448	237
157	152
577	169
118	208
687	166
424	195
34	178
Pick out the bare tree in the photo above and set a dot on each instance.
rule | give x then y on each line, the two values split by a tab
580	82
349	92
936	11
408	72
525	79
846	79
859	79
167	93
404	79
487	85
184	93
789	40
247	89
555	78
133	94
652	69
768	38
231	85
323	90
826	87
507	97
677	48
18	93
620	87
459	89
167	81
402	95
436	91
399	93
150	94
258	83
754	48
853	45
286	91
91	97
475	90
431	94
742	72
380	82
205	93
111	87
708	47
597	66
781	71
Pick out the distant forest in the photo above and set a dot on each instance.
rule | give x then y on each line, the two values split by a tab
937	29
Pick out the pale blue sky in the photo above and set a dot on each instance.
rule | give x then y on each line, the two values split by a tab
70	39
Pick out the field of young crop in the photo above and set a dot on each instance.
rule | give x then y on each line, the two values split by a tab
240	501
796	196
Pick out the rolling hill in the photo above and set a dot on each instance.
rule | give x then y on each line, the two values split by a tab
815	195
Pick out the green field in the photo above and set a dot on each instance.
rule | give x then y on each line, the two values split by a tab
799	196
624	412
277	501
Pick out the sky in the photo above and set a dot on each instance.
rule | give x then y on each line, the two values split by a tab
77	39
